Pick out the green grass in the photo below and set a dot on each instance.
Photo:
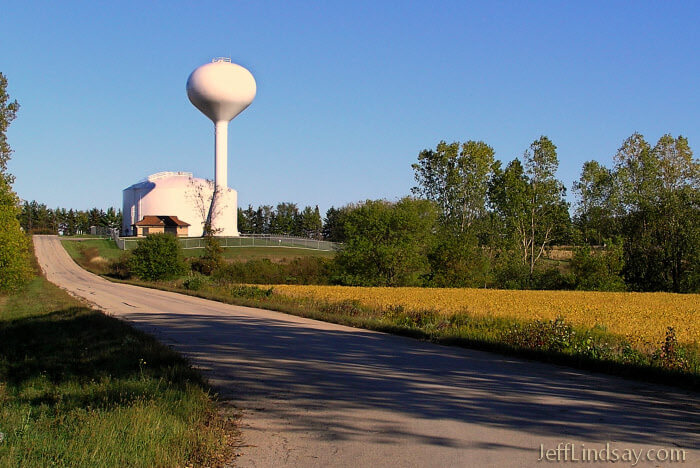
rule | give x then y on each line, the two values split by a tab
107	249
275	254
78	388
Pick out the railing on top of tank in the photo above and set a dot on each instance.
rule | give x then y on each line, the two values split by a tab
244	240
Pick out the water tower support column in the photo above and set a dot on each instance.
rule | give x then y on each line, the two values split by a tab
221	156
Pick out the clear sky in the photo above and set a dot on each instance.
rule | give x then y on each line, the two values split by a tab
349	92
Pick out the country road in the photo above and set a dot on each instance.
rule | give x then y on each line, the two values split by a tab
319	394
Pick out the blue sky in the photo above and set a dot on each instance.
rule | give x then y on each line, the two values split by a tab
348	92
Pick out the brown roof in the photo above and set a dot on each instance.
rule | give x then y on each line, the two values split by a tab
161	221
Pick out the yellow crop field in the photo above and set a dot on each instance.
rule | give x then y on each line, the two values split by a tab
642	317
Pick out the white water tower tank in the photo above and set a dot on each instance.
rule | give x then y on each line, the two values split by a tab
221	90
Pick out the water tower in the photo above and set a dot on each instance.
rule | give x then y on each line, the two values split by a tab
221	90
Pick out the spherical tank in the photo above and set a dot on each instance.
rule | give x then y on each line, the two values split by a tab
221	90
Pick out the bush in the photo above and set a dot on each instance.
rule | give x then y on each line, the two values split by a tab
157	257
250	292
195	283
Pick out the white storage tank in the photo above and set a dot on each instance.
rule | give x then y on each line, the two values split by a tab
179	194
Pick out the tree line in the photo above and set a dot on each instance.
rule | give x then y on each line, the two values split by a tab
37	218
473	222
284	219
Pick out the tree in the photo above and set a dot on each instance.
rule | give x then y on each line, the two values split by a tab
597	213
334	224
284	219
530	202
456	177
244	223
679	203
263	219
15	267
310	223
387	243
112	219
599	270
8	113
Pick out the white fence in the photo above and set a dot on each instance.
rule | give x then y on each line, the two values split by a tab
245	240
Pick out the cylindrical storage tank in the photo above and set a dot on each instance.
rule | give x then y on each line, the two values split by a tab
179	194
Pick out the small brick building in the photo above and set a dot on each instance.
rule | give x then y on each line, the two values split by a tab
161	224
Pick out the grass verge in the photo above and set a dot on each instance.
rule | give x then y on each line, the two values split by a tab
79	388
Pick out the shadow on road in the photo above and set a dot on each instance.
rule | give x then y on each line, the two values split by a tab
339	370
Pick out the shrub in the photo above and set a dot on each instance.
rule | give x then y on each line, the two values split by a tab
671	355
250	292
195	283
213	257
157	257
551	335
121	267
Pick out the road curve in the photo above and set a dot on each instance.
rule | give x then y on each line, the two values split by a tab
318	394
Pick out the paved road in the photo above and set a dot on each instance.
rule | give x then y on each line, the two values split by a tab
317	394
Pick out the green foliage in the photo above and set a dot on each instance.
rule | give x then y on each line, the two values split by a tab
599	270
8	112
529	201
552	335
157	257
213	257
284	219
15	266
510	272
334	225
457	261
15	256
195	282
658	201
456	177
387	243
597	203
